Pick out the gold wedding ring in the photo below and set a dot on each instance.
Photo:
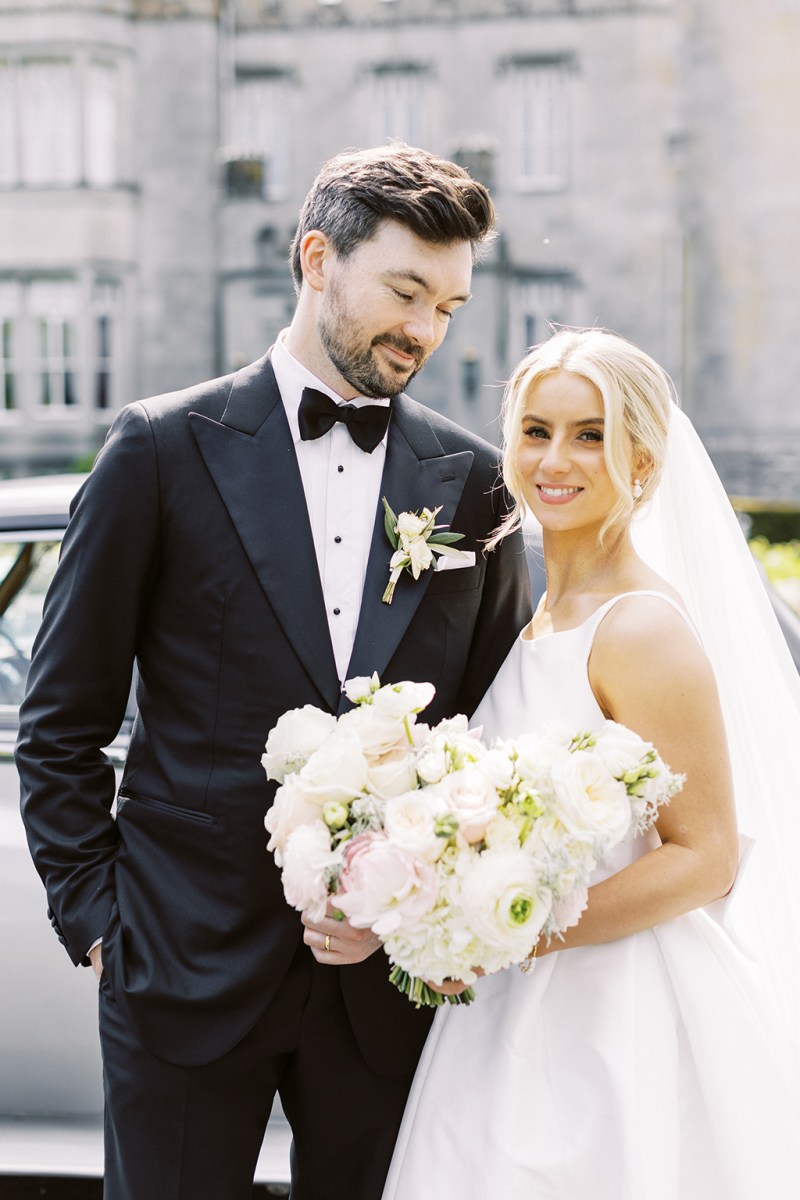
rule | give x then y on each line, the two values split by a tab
327	942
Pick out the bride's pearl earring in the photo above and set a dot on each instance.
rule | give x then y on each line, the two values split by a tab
637	489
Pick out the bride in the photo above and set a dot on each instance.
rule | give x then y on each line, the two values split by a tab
639	1059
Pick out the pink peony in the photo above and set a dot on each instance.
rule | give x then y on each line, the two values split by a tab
383	887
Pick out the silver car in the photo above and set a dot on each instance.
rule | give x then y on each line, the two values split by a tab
50	1081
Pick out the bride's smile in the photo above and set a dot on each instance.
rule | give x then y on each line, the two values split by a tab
560	453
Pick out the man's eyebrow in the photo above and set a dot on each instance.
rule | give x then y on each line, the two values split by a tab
413	277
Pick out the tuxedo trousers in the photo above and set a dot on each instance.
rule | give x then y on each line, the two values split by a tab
194	1133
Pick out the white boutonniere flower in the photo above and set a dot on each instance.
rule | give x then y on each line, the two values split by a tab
417	541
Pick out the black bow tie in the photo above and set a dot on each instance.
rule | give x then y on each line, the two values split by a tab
318	413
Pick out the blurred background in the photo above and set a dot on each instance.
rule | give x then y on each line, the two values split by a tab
644	158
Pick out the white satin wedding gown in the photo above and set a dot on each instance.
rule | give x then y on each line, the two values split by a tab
641	1069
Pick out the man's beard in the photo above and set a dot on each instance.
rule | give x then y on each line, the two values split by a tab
357	364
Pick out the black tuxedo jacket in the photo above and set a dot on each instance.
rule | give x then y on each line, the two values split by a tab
189	551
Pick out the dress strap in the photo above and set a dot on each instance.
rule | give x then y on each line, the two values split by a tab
600	612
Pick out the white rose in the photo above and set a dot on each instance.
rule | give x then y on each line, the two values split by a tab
620	748
336	771
307	863
400	700
290	809
361	687
589	800
294	738
536	757
498	768
503	830
472	800
409	823
455	727
410	526
465	749
504	902
392	774
432	764
378	733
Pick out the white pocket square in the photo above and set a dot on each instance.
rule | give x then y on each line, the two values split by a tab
447	562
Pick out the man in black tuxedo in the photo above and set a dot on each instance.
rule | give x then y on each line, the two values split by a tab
230	542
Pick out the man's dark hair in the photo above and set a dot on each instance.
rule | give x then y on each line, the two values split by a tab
358	189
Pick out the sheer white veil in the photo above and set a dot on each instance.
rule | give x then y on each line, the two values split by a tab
689	533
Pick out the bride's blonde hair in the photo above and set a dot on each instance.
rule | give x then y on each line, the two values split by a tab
637	397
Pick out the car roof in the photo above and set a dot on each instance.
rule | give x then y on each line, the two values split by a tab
38	502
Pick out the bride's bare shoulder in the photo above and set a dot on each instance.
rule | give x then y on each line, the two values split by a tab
644	640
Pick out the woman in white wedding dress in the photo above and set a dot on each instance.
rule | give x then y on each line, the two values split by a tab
638	1060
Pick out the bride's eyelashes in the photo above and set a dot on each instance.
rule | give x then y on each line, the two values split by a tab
538	432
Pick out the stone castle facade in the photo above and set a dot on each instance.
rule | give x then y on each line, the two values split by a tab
154	154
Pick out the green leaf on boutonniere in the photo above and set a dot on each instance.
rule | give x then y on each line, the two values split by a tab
389	523
444	539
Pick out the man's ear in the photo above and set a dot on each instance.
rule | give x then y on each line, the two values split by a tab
315	251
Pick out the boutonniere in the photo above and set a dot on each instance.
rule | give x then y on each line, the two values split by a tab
416	540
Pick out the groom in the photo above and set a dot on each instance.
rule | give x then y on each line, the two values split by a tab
230	542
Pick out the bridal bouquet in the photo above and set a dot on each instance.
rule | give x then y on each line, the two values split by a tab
458	855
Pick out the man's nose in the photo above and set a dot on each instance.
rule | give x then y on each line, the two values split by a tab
421	328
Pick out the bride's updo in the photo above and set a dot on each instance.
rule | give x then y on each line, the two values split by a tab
637	397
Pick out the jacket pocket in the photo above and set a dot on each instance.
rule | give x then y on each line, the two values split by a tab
161	806
461	580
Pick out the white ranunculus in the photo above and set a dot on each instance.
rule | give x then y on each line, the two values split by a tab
336	771
472	799
504	903
290	809
307	862
620	748
589	800
392	774
361	687
294	738
409	823
383	887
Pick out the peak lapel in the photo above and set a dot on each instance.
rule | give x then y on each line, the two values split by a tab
417	474
251	458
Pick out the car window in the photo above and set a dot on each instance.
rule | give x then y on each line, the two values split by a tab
26	568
